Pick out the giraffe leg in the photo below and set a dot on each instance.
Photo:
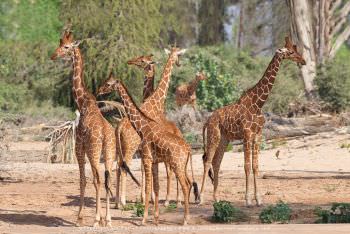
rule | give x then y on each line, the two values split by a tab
178	199
147	163
148	184
185	189
109	154
256	149
94	157
214	139
169	175
143	183
80	154
156	192
117	194
219	154
247	169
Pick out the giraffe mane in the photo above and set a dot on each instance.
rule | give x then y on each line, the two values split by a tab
136	106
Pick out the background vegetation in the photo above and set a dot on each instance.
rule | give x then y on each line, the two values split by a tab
115	31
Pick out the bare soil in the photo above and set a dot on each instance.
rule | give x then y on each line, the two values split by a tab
36	197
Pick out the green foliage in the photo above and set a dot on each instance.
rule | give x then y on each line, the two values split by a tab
139	209
225	212
338	213
229	147
333	81
280	213
171	207
27	20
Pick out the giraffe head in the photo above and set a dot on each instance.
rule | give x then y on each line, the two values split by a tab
201	76
107	86
65	50
146	63
290	51
175	54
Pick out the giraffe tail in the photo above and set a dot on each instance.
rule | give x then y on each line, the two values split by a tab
123	164
107	183
194	183
126	168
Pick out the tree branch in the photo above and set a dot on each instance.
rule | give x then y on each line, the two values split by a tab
339	41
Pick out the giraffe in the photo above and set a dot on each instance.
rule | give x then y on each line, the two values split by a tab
186	93
153	106
243	120
157	145
95	136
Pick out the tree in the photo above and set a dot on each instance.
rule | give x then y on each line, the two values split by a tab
319	27
211	13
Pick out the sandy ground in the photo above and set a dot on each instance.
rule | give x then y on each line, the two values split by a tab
309	172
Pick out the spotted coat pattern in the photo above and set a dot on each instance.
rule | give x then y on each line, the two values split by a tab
186	93
94	135
243	120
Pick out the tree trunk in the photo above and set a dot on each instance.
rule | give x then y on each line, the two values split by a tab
303	34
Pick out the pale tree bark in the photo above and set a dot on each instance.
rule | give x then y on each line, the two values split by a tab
303	35
314	25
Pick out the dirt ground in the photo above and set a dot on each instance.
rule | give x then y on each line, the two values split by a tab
37	197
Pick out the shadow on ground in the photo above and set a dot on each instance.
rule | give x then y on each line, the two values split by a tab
19	218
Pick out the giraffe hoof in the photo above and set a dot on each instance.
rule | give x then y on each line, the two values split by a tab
109	224
79	222
143	223
156	221
184	222
259	201
96	224
178	204
166	203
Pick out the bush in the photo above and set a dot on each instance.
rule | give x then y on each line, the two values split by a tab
280	213
333	83
339	213
225	212
139	209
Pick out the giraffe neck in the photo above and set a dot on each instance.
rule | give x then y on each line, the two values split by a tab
159	95
79	89
262	89
192	86
148	83
136	117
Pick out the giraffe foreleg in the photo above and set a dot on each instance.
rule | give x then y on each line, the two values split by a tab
256	150
156	192
169	177
147	163
247	169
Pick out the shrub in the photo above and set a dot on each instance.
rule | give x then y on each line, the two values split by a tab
333	83
339	213
139	209
225	212
281	213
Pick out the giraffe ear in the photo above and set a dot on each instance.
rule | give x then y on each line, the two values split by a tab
289	43
76	43
167	51
181	52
